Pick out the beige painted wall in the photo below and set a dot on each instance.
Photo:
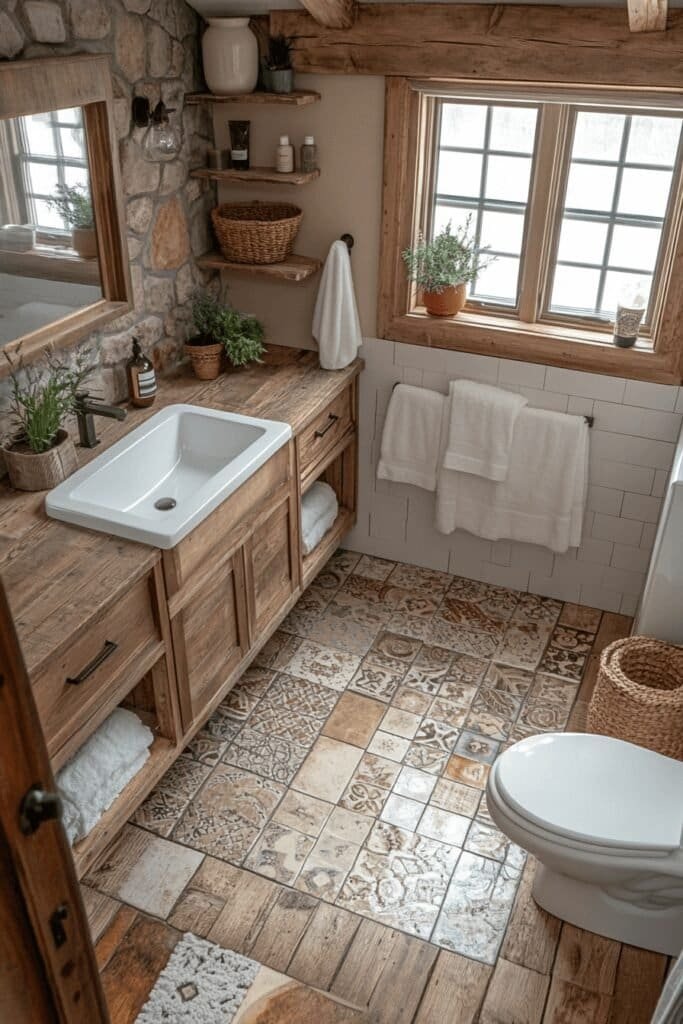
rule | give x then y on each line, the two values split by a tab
348	126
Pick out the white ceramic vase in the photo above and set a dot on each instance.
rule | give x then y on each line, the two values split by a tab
230	54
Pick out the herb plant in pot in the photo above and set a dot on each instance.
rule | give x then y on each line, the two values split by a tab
443	267
222	330
74	205
278	74
40	454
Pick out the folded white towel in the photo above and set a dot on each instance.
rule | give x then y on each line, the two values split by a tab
543	499
336	326
319	509
411	439
482	420
93	778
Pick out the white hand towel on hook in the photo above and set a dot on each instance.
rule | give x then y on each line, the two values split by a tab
336	326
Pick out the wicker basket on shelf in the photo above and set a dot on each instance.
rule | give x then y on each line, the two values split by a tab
639	695
256	232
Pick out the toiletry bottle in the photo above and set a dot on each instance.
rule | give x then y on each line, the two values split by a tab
309	155
239	144
142	380
284	158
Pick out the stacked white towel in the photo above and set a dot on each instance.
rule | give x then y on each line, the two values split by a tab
482	421
542	501
411	439
319	509
91	781
336	326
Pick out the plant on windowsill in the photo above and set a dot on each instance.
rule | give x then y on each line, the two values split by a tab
444	267
222	329
40	453
74	205
277	71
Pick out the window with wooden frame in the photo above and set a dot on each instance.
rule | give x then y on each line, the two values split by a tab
576	194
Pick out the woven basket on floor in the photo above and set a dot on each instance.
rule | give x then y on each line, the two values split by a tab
256	232
639	695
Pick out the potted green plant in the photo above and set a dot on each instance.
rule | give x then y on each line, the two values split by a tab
74	205
221	329
40	453
443	267
278	74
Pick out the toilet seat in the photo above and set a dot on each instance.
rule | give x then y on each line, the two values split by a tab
594	791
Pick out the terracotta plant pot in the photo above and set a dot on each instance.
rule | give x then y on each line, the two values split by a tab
33	471
449	302
206	359
84	242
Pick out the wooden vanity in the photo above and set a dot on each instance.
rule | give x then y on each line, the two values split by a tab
104	621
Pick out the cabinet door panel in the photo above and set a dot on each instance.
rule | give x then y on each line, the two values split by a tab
272	566
209	635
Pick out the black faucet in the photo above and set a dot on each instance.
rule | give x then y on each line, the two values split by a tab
86	410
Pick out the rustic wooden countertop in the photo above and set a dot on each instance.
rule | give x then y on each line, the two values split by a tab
56	576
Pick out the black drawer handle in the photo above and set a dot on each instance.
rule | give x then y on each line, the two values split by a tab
333	419
107	650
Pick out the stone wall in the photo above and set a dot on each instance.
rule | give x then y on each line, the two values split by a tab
154	48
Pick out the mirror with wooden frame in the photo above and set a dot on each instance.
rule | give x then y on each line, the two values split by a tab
63	259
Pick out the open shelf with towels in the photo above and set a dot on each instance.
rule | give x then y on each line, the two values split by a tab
338	470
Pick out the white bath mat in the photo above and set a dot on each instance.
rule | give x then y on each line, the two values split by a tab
200	984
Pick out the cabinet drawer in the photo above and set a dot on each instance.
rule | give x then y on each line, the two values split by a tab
71	689
323	433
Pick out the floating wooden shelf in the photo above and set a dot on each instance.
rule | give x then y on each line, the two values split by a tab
294	268
268	174
299	98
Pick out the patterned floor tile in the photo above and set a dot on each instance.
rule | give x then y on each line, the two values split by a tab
228	813
302	696
376	681
279	853
320	664
467	771
349	624
442	709
394	651
387	745
411	700
411	577
341	565
433	657
498	602
277	651
427	757
436	735
377	770
487	841
306	612
353	828
354	719
554	691
476	746
327	770
205	749
363	798
275	757
399	879
496	727
507	679
164	805
461	638
275	719
477	907
578	616
425	679
456	797
533	608
416	784
400	723
327	866
523	644
445	826
373	591
374	568
304	813
223	726
402	811
567	654
537	716
465	613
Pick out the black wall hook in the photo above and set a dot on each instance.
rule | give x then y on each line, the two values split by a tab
350	241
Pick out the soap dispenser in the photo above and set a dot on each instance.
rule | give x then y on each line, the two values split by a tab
142	380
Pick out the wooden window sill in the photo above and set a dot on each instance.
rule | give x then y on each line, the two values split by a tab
534	343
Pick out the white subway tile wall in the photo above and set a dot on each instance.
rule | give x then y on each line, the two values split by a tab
632	448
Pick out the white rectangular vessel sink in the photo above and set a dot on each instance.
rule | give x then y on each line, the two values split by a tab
161	480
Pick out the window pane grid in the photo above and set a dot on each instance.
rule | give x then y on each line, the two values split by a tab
503	288
58	160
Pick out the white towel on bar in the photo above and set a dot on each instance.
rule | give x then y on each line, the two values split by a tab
96	774
319	509
411	439
544	497
336	326
482	420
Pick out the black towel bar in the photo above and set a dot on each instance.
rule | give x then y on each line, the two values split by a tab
590	420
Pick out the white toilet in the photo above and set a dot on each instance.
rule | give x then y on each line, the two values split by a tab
604	819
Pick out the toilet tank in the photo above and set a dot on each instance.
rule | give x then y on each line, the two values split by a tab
660	612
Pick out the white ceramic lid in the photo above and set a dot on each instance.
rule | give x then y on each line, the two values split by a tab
598	790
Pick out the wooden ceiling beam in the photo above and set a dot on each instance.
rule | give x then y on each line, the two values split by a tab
337	13
647	15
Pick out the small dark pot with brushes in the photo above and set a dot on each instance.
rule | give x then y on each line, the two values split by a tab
41	454
443	267
278	74
222	331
